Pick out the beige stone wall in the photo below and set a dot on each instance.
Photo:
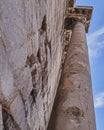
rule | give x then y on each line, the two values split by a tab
31	44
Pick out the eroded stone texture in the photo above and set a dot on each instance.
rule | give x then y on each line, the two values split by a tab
73	108
31	44
1	118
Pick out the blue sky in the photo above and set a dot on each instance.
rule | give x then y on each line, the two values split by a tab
95	39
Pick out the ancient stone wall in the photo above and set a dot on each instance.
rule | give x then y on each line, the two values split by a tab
31	44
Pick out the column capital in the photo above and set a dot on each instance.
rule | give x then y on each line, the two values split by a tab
78	14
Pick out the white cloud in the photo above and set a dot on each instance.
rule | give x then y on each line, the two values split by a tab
96	43
99	100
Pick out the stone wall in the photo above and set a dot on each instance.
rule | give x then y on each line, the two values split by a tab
31	44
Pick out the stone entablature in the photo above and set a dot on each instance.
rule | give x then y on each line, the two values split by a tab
78	13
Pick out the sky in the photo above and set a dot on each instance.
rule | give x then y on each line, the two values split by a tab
95	41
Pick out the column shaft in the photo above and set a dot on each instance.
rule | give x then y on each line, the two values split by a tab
73	108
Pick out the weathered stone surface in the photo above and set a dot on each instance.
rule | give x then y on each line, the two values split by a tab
17	109
31	44
1	118
73	108
7	89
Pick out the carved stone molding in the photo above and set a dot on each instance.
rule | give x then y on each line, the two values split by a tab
78	14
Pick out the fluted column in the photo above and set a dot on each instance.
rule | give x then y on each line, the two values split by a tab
73	109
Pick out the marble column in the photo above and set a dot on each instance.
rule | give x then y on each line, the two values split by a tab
73	108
